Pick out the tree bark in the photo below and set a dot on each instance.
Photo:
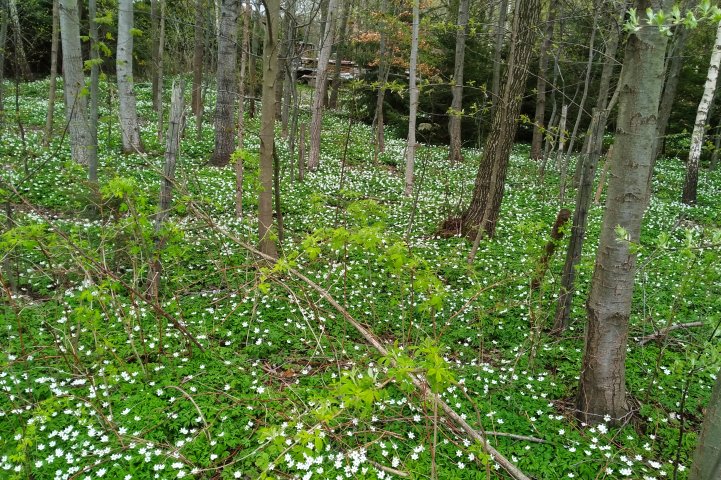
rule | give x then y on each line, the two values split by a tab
340	50
124	67
456	110
321	83
690	186
198	50
158	77
707	457
22	67
497	56
482	213
244	53
602	389
538	127
675	63
580	221
172	147
267	130
94	85
84	151
383	69
53	73
3	43
411	143
225	103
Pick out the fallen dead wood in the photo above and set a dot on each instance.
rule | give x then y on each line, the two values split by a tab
664	332
418	380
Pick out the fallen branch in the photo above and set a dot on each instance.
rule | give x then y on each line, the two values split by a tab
392	471
417	379
665	331
517	437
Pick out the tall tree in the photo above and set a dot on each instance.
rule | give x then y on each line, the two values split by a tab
267	128
22	67
84	151
500	34
454	122
94	84
339	53
539	117
602	389
198	51
690	186
128	111
383	70
3	40
411	143
321	84
241	101
226	80
53	73
482	213
707	457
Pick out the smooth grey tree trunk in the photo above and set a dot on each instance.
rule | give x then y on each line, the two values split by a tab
127	111
84	151
690	186
497	54
267	129
539	117
226	78
707	457
94	85
54	49
411	143
321	83
456	110
602	386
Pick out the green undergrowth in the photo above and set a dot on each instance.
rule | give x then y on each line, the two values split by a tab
100	379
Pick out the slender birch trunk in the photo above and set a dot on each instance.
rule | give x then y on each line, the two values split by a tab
22	66
95	62
690	186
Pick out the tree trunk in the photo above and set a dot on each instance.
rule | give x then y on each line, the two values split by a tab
716	149
84	151
580	221
267	130
699	128
586	84
158	77
561	161
602	389
124	67
53	72
241	113
154	48
225	103
456	111
538	127
707	457
172	147
22	67
675	63
198	50
290	72
321	83
383	69
497	55
94	85
411	143
482	214
340	50
3	42
253	70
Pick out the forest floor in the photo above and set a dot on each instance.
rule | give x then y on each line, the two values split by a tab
97	382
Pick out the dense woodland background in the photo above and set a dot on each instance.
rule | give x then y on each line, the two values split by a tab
346	239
